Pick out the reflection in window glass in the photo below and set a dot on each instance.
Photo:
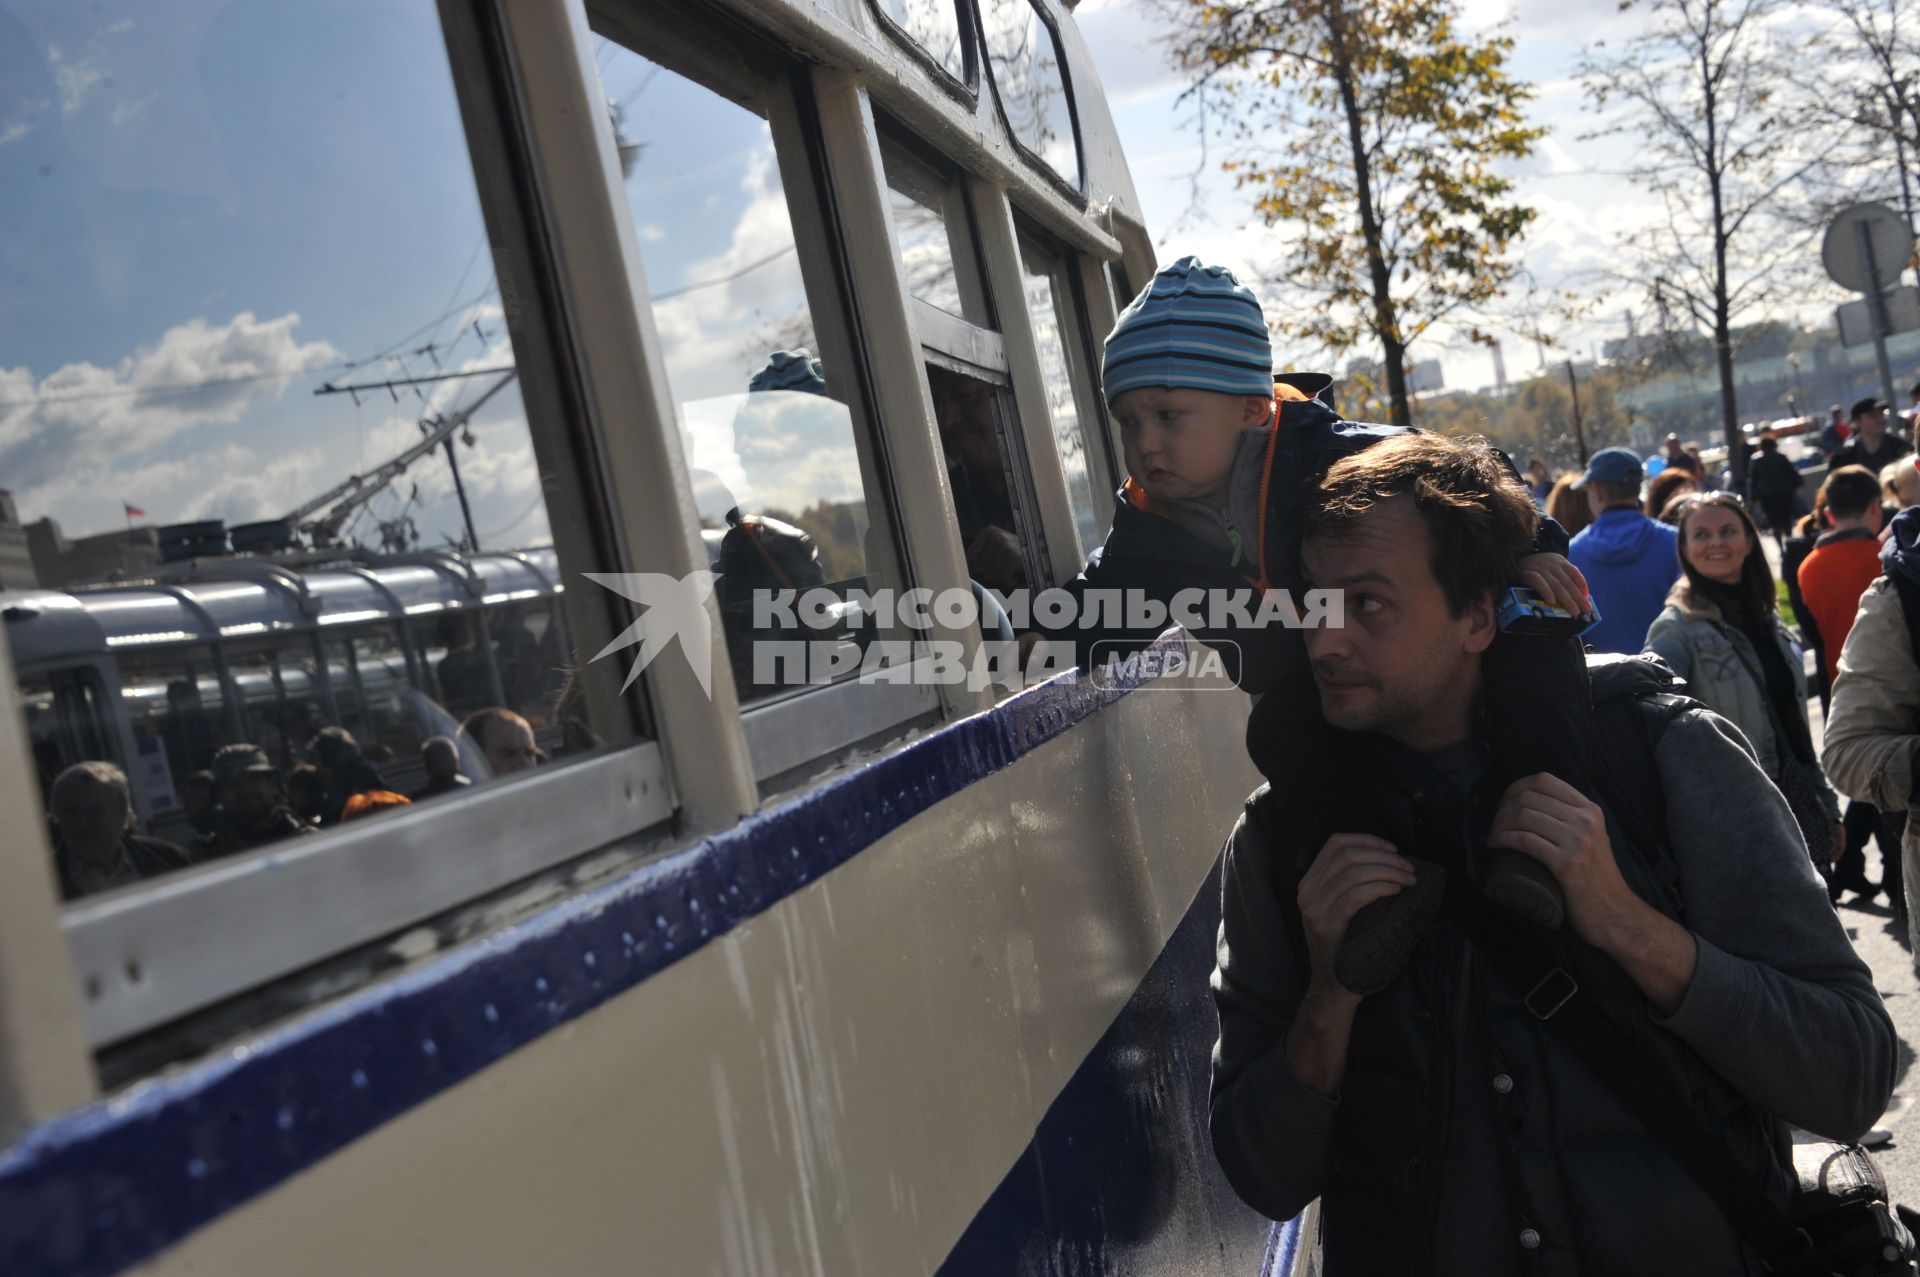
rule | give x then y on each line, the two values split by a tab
1050	306
935	27
180	718
66	723
206	225
984	472
785	498
930	217
1024	61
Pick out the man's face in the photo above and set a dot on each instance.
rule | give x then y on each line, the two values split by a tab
1402	664
1870	423
510	747
250	798
963	409
1181	444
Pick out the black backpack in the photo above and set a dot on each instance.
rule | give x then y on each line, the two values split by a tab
1635	698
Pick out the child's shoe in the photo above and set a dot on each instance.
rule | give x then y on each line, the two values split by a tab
1382	934
1522	884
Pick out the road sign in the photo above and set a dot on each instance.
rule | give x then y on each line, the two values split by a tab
1856	318
1845	255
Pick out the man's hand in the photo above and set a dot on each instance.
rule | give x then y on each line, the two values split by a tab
1836	842
1351	871
1544	817
994	559
1556	580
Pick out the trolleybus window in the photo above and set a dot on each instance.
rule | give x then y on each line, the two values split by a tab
1075	419
253	336
934	26
936	239
966	372
784	479
1023	59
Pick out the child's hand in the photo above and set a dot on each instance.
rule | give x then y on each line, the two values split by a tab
1556	580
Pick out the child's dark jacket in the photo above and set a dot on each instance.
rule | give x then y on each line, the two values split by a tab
1162	548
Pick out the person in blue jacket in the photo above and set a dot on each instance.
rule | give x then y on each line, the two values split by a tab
1629	561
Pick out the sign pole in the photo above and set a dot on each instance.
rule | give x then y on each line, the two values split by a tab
1877	306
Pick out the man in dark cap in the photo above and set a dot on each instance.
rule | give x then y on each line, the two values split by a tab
1629	560
1872	445
253	802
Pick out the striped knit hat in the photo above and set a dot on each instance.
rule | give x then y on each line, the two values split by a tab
790	370
1195	327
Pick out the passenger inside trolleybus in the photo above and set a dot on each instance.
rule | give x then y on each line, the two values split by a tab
978	472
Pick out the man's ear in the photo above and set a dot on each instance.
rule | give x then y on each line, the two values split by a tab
1482	628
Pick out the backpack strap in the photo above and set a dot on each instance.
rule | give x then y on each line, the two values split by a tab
1549	982
1635	699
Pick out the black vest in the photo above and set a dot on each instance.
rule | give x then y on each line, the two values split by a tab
1552	1158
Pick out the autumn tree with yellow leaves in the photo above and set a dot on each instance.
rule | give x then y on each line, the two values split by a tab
1370	129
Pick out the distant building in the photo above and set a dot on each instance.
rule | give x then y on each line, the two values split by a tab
16	563
58	561
1426	375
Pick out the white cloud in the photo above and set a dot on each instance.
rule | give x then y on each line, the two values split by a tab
119	28
127	111
14	132
76	79
196	374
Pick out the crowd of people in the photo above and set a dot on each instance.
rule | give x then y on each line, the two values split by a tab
243	801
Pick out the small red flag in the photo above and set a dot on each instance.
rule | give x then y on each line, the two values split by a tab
133	511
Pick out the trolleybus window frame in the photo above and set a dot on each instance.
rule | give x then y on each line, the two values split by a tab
1076	188
149	954
801	730
965	90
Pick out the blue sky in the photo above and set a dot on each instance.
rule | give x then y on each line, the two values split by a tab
259	195
236	194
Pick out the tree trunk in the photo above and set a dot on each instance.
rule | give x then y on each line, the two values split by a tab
1722	309
1386	323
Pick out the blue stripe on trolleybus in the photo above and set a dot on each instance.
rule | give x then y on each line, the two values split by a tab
1120	1176
111	1184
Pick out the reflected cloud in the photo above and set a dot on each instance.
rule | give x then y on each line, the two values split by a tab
76	79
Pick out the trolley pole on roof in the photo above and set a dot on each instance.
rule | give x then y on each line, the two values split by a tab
460	489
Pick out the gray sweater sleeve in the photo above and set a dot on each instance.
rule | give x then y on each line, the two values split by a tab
1270	1132
1780	1003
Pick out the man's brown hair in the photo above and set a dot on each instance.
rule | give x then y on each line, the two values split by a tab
1851	491
1479	517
